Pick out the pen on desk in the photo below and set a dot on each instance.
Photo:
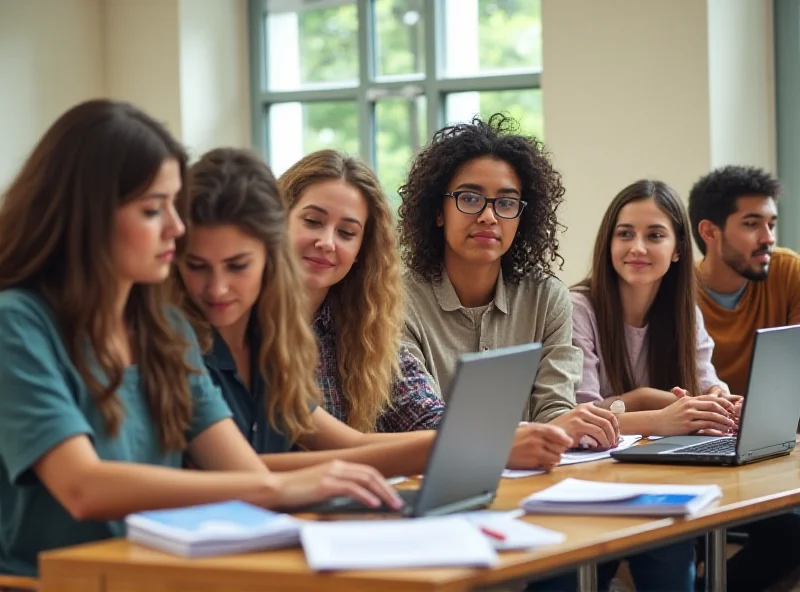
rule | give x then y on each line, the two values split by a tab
498	536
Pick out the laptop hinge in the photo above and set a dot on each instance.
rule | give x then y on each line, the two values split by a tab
470	503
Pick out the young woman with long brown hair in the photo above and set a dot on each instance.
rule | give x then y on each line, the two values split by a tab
635	318
240	284
103	386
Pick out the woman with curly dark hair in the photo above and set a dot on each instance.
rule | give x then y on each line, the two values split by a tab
478	231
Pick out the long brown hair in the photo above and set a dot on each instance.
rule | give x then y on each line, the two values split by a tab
234	187
672	323
367	305
57	225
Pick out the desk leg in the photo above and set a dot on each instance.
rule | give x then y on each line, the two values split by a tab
587	577
716	561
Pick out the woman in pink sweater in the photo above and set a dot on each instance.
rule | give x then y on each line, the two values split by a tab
636	320
643	343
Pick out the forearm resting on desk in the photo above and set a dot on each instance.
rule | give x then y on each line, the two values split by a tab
406	455
642	399
103	490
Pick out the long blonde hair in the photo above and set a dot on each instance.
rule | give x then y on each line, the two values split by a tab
367	305
57	229
235	187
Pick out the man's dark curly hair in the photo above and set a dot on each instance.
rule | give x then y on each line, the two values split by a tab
535	246
714	196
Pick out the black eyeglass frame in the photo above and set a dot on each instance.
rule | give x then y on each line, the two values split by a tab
486	201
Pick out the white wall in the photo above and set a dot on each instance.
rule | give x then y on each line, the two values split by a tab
624	98
665	89
142	56
50	59
185	62
214	75
742	81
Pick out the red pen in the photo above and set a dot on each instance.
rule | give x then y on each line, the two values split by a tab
498	536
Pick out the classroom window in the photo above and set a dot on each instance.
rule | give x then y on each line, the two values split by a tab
376	78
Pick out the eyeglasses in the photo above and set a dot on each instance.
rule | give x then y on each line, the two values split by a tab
469	202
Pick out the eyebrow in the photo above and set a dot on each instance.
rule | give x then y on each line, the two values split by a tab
324	211
476	187
653	226
159	195
754	216
236	257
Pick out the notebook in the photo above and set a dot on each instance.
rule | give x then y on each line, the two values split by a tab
572	457
437	541
213	529
576	496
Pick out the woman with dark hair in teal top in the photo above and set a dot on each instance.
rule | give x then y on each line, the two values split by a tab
103	386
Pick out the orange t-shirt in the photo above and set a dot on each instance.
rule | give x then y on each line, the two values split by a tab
774	302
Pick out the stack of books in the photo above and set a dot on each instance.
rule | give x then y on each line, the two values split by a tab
213	529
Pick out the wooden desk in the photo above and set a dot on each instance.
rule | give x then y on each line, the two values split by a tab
749	492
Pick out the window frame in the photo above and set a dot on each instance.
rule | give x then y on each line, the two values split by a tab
368	91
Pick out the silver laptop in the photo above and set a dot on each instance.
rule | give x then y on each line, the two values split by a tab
487	399
770	413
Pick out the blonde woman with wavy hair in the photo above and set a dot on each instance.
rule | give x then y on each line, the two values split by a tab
341	226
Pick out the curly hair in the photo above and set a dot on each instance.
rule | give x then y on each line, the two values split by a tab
367	305
535	246
229	186
57	227
714	196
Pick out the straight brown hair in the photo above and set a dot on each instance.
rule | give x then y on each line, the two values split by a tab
672	322
57	225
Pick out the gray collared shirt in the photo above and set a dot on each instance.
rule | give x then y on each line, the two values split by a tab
439	329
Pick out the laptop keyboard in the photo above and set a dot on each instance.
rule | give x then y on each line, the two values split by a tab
718	446
343	505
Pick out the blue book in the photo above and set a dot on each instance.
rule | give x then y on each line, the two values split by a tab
213	529
576	496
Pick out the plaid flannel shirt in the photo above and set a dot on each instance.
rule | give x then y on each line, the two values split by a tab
414	402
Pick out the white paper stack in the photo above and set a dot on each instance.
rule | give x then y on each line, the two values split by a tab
384	544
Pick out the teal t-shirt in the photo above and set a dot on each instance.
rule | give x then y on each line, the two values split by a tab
44	401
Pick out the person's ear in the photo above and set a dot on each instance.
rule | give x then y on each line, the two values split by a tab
708	231
439	219
676	256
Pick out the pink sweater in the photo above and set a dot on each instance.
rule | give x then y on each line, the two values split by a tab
595	385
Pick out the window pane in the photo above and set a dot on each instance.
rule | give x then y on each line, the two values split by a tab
492	36
297	129
400	128
400	38
523	105
312	48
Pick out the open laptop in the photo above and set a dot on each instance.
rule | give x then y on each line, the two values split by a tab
770	412
487	399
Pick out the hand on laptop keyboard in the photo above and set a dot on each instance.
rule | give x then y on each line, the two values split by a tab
690	415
